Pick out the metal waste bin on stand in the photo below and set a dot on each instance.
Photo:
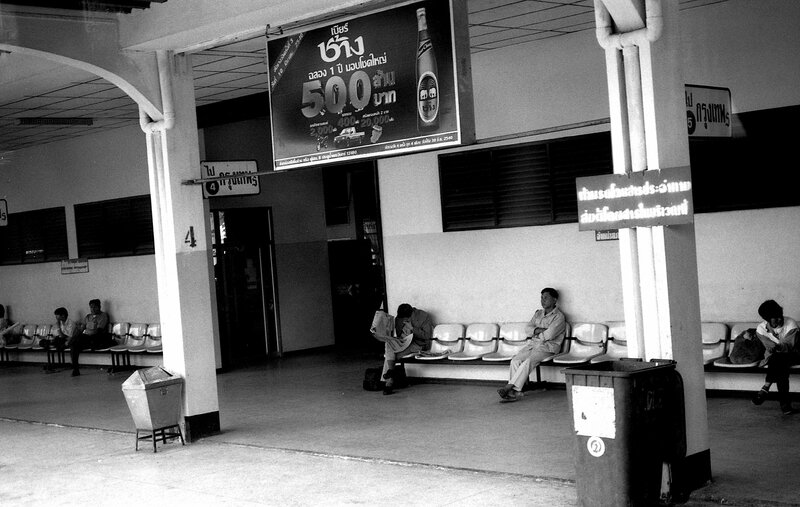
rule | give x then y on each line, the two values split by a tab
154	399
628	417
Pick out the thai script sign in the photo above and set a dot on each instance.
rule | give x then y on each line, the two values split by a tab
72	266
639	199
235	178
708	111
376	85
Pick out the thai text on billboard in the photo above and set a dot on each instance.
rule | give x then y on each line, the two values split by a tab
375	85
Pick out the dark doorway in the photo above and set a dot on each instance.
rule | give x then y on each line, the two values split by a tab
244	269
358	285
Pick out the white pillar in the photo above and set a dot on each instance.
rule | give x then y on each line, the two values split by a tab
186	297
659	264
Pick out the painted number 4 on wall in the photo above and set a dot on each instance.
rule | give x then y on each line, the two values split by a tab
189	239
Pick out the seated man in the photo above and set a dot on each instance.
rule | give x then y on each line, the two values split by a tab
409	321
66	333
779	335
547	327
96	327
6	328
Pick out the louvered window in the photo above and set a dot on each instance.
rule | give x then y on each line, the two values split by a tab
115	228
516	186
34	236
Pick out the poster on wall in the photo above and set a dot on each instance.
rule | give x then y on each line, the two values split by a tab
380	84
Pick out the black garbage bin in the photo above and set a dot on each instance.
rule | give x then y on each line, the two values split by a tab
628	418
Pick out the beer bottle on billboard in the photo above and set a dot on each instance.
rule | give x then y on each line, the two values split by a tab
427	81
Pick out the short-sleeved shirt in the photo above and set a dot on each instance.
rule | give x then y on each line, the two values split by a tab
555	325
778	335
96	323
67	327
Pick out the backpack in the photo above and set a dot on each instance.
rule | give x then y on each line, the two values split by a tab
372	379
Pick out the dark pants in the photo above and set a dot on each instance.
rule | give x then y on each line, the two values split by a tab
75	345
778	371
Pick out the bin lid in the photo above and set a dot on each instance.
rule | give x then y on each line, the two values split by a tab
149	378
621	368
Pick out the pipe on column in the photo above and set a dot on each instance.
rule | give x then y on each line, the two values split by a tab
640	240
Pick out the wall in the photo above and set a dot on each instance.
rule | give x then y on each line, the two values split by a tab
496	275
98	167
301	248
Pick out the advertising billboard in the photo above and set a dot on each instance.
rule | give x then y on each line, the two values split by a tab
389	82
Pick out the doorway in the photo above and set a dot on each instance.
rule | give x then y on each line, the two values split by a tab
244	274
355	252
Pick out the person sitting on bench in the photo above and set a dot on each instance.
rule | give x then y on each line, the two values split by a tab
413	321
779	335
66	333
6	328
547	329
95	327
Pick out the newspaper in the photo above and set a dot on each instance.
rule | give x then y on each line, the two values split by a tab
383	330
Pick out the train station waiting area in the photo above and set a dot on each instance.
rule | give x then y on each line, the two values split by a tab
301	430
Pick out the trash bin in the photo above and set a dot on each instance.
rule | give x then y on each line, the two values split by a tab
628	418
154	399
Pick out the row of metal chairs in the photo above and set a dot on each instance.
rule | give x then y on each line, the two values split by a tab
586	342
130	338
718	340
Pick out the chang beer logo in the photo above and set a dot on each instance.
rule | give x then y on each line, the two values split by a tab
338	44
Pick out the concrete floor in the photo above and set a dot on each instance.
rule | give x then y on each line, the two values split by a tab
301	431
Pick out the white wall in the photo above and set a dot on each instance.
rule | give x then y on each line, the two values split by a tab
496	275
104	166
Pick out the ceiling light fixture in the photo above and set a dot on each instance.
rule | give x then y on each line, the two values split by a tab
55	121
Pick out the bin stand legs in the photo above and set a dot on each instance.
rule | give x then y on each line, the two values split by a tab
161	433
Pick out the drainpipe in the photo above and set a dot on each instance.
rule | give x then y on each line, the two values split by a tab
638	240
145	122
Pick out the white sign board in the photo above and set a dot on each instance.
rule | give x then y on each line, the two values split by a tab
593	411
235	178
708	111
3	212
72	266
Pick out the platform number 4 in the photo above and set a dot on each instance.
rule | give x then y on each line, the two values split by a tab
189	239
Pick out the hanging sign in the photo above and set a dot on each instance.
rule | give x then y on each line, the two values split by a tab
638	199
72	266
236	178
376	85
708	111
3	213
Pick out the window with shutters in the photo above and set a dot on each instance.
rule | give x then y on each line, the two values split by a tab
34	236
116	228
522	185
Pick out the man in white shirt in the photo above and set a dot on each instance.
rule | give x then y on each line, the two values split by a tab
547	329
779	335
66	332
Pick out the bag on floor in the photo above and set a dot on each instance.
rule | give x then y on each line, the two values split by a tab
372	379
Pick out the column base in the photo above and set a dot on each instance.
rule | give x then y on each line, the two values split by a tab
690	473
201	425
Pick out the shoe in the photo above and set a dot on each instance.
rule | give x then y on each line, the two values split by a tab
389	385
512	397
787	409
503	392
76	373
760	396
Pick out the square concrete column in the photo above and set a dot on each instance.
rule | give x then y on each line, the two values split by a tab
186	292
